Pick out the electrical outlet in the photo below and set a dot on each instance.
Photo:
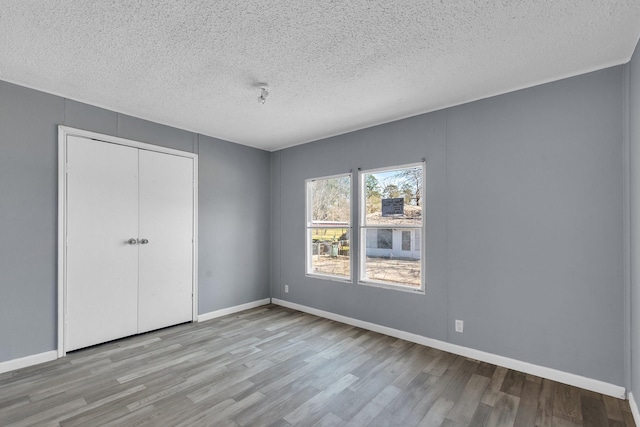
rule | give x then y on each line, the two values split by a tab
459	325
286	289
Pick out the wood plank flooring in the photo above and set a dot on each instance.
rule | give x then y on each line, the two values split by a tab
272	366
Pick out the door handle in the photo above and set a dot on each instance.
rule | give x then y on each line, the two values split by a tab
132	241
144	241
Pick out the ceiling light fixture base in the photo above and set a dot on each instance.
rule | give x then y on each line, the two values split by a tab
264	93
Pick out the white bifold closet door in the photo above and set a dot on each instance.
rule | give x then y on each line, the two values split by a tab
166	221
129	241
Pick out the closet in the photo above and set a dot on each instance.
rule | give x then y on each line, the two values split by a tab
129	238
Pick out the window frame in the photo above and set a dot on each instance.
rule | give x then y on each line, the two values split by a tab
309	227
362	231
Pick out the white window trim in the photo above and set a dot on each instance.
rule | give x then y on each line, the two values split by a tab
362	238
308	226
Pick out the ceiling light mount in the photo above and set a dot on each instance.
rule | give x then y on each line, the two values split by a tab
264	93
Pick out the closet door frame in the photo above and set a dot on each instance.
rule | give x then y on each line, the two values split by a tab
63	133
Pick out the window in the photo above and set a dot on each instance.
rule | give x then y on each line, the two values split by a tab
385	238
406	240
329	227
391	227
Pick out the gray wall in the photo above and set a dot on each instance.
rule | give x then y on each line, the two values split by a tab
524	208
634	145
233	222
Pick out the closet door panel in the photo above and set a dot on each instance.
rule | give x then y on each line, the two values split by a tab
102	267
166	233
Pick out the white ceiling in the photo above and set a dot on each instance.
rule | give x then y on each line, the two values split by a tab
332	66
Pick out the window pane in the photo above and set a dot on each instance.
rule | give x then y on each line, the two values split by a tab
391	226
392	256
328	225
394	197
406	240
330	251
385	239
330	201
381	238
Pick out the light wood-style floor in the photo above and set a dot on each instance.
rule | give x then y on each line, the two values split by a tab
272	366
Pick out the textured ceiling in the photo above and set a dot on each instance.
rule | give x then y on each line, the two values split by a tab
332	66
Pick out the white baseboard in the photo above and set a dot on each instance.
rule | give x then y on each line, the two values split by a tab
518	365
231	310
634	409
24	362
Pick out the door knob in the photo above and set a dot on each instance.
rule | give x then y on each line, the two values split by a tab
132	241
144	241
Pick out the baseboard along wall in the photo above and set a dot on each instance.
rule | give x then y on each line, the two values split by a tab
25	362
517	365
634	408
231	310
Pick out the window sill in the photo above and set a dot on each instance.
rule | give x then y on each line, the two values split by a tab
328	277
390	286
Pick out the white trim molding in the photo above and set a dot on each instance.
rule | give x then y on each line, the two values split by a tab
232	310
634	408
518	365
25	362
